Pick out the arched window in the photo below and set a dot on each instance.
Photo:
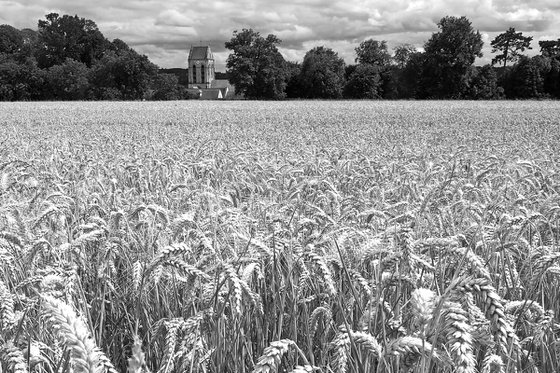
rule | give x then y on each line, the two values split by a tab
202	71
194	73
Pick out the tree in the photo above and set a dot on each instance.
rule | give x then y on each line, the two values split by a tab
256	68
364	82
372	72
510	43
118	46
349	70
402	54
322	74
524	79
550	48
552	78
68	81
30	43
125	75
457	44
10	76
449	55
410	79
484	84
293	82
69	37
390	79
546	67
373	52
19	45
21	81
11	40
166	87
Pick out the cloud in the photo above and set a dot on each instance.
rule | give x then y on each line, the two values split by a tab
165	30
173	18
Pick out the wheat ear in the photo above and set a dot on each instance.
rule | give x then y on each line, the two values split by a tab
492	364
415	346
494	309
422	303
324	270
7	316
13	358
137	362
72	331
270	360
458	334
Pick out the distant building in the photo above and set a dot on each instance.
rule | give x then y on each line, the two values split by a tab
201	67
202	75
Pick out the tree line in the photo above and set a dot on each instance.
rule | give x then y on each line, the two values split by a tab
443	70
68	58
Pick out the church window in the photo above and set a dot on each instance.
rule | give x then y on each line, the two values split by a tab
202	71
194	73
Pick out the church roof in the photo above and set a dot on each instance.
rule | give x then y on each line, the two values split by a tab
220	83
211	94
201	53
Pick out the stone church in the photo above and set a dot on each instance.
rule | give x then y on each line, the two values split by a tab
202	75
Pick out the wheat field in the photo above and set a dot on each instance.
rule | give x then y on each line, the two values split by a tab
280	237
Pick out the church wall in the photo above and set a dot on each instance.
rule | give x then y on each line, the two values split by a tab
202	67
205	73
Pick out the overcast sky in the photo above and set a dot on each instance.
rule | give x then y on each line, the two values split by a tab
164	31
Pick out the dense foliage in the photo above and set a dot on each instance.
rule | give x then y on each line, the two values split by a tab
322	74
444	70
68	58
449	57
305	236
511	44
255	67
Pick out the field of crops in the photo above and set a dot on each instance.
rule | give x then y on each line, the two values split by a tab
280	237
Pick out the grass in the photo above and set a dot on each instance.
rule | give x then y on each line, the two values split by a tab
280	237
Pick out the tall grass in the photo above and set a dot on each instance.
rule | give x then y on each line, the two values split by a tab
293	237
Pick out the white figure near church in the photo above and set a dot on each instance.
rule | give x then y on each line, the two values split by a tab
202	75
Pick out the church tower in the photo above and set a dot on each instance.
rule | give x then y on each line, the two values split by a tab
201	67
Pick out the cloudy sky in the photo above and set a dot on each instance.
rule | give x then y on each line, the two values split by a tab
164	31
